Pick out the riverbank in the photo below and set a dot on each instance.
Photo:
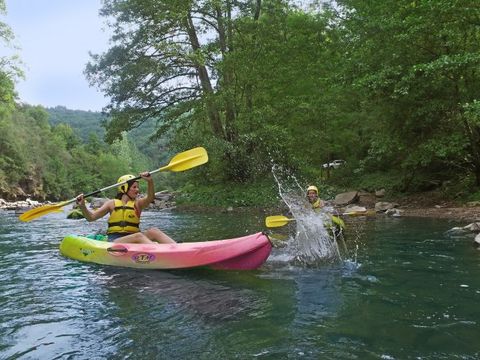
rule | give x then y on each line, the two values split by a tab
432	205
466	214
420	205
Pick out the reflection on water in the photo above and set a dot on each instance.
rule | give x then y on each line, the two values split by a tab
411	292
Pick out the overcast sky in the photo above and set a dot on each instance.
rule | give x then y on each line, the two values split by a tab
55	37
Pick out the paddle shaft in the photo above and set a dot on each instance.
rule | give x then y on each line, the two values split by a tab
280	220
114	185
172	164
180	162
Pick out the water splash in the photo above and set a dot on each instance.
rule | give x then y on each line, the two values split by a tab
313	242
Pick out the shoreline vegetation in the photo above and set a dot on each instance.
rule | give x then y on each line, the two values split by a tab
353	109
426	205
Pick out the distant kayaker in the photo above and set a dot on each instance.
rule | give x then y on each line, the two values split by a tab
317	205
125	211
313	199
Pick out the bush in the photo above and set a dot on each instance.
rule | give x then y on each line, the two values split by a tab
260	194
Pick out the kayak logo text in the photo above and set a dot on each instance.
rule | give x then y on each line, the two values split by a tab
143	258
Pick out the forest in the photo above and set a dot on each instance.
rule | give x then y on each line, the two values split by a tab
391	87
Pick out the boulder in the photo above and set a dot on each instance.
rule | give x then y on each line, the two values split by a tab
366	199
164	196
380	193
355	209
75	214
393	212
346	198
384	206
95	202
476	241
473	227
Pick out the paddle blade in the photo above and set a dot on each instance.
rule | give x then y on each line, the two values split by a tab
337	221
187	160
277	221
41	211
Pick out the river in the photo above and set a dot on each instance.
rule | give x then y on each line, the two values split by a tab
402	290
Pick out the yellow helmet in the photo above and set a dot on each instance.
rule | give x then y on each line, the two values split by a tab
123	189
312	187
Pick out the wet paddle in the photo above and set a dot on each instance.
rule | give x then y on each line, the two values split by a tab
279	220
180	162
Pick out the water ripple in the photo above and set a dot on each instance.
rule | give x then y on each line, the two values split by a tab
410	292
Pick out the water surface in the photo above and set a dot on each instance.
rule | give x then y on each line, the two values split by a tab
403	290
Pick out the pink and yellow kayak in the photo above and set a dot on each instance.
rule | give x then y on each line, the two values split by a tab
242	253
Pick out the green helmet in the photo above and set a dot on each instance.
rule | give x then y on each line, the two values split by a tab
123	189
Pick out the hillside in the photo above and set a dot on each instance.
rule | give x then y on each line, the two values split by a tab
82	122
85	123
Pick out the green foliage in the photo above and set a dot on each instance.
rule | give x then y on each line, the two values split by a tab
90	127
390	180
259	194
84	123
53	162
10	69
390	86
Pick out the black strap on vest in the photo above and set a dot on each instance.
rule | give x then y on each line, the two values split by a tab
124	207
123	224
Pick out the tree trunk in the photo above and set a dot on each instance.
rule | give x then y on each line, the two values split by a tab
473	135
226	46
248	88
475	146
207	88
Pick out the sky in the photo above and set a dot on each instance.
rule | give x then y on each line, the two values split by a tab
55	38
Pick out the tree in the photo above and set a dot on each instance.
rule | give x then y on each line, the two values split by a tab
175	61
9	66
414	65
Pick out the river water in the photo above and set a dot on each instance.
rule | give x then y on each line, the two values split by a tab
403	289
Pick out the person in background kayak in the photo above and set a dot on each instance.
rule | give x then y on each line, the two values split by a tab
125	211
317	204
313	199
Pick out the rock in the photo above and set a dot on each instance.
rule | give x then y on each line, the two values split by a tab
75	214
384	206
366	199
164	196
476	241
473	227
355	209
95	202
162	204
457	230
346	198
393	212
380	193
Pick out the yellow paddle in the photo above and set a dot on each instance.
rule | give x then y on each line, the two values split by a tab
180	162
279	220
